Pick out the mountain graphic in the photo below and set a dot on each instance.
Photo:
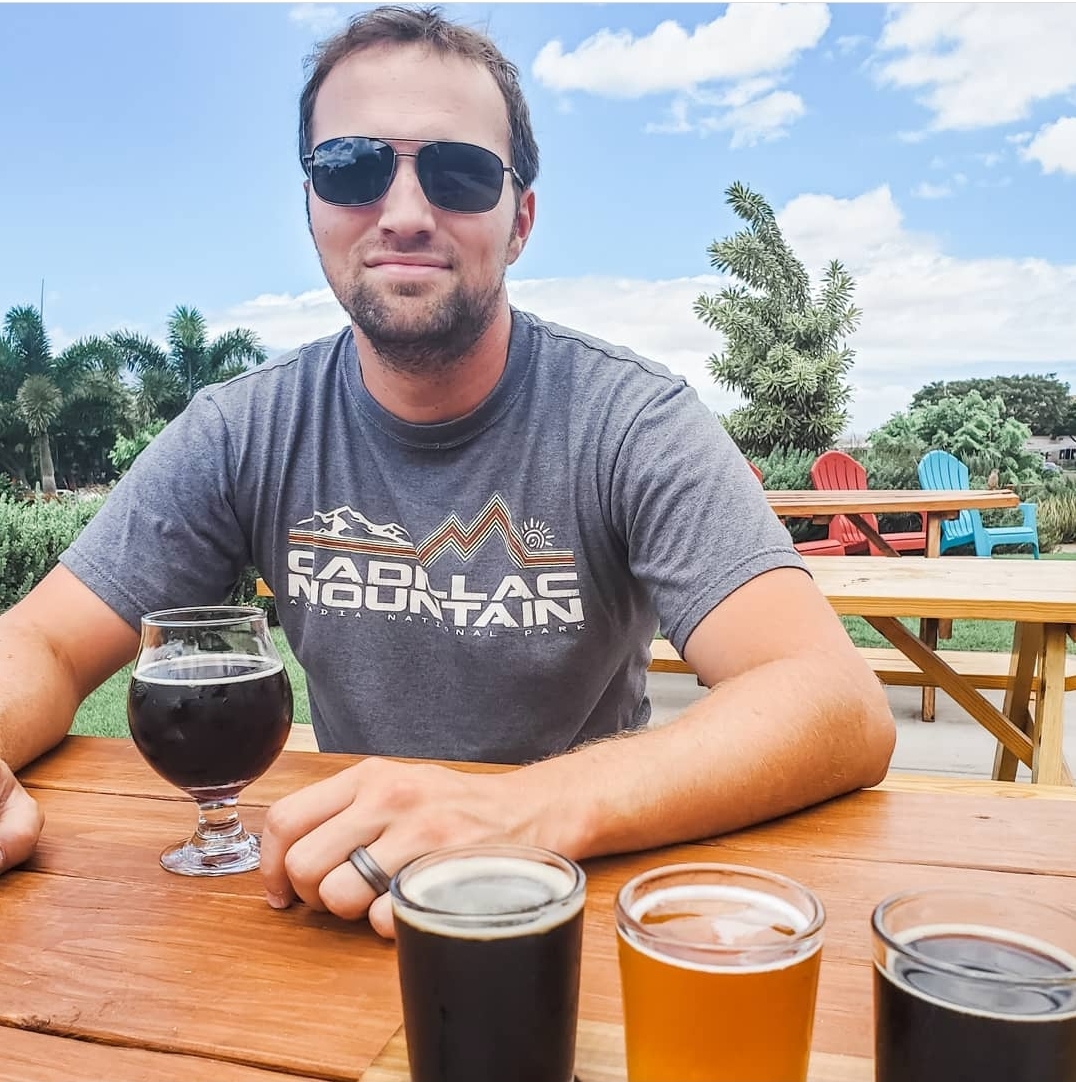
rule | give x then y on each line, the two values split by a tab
347	522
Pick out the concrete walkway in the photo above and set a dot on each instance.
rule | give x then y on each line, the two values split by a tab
953	744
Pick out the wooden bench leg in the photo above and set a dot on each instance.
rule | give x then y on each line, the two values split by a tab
1048	762
1026	652
928	632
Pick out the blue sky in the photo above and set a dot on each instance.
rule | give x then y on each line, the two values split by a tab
151	162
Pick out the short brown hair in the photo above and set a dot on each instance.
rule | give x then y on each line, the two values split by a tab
396	25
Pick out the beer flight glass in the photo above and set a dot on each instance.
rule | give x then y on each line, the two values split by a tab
488	943
209	706
719	972
973	987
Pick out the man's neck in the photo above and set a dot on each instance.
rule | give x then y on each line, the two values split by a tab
453	393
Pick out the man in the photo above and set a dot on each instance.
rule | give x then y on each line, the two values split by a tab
473	522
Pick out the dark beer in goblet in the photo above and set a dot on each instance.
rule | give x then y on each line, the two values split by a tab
209	706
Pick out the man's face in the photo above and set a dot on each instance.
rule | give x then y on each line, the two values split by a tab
421	283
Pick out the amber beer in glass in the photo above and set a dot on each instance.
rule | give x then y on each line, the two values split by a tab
488	942
719	971
973	987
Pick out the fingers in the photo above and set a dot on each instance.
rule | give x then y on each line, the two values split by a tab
294	817
315	856
381	919
21	821
397	811
346	893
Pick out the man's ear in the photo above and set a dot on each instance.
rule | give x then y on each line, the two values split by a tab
524	223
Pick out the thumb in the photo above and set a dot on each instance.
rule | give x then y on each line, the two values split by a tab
380	916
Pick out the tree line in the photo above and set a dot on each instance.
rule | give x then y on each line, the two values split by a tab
84	412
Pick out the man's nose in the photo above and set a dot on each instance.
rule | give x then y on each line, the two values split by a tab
404	208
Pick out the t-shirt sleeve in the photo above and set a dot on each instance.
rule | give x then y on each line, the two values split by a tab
695	520
167	535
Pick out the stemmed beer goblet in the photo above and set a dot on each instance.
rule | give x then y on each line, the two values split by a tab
209	706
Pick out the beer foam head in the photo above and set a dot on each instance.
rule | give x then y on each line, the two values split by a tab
489	897
206	668
714	927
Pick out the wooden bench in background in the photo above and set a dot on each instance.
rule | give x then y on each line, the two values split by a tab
986	670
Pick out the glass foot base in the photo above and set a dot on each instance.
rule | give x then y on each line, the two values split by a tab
224	857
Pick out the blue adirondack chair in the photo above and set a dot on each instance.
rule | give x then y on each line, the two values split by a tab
939	469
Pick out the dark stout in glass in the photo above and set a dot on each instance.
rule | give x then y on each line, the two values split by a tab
494	1003
940	1027
210	723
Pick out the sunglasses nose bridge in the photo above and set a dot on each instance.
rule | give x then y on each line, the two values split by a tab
405	197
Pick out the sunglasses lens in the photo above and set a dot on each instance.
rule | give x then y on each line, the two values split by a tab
351	171
460	177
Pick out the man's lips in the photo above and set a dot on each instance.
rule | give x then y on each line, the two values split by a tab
407	261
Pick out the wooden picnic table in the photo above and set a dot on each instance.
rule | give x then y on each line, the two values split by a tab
820	505
1040	596
936	505
112	968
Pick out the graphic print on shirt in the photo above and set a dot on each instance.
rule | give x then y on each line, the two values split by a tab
341	562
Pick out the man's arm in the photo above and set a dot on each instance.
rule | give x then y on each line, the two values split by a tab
795	717
56	645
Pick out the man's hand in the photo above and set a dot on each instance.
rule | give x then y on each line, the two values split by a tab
20	820
398	811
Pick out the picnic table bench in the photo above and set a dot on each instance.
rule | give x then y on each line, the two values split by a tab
1039	597
984	669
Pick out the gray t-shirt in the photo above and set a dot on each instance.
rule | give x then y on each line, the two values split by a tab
482	589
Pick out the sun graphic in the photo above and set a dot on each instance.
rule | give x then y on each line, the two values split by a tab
537	535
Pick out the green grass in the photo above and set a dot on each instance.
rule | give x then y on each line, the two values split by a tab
104	713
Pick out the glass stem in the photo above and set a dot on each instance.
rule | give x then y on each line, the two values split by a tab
218	823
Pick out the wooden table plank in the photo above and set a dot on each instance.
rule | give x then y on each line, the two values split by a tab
962	587
26	1056
807	503
217	975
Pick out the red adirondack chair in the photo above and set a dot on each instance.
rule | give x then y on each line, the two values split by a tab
836	470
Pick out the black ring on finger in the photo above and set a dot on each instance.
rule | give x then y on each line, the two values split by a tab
376	877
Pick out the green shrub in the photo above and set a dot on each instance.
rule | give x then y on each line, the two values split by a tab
786	468
33	533
1057	518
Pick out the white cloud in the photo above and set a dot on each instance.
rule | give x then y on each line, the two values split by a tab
849	43
748	40
977	65
926	314
320	19
723	74
762	120
990	158
926	190
1054	147
752	119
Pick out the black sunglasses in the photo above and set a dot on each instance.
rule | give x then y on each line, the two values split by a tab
354	171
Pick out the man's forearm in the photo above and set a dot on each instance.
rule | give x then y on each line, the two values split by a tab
781	737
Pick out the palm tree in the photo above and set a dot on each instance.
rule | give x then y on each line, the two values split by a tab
38	387
167	381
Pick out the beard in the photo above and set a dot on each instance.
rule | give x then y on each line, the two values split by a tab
430	338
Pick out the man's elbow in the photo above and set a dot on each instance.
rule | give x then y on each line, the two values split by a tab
878	733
